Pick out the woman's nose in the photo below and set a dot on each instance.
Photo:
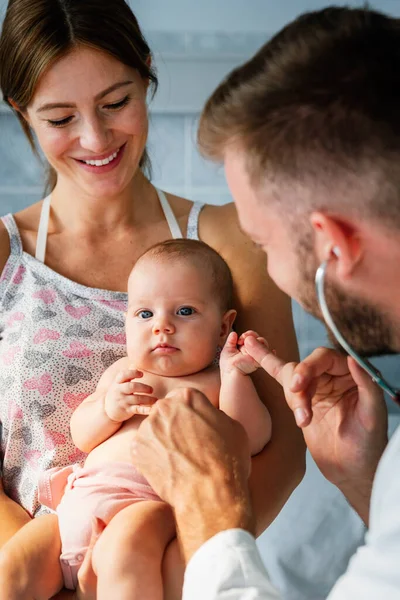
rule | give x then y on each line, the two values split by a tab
95	136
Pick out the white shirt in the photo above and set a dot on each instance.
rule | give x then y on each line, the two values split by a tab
229	566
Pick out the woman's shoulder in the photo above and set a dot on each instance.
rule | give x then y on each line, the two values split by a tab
4	246
26	221
219	227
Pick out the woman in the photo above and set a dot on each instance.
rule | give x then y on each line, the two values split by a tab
77	74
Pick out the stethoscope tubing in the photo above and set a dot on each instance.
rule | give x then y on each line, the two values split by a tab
364	364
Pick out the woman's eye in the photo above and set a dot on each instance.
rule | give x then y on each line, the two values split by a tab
60	123
118	105
145	314
185	311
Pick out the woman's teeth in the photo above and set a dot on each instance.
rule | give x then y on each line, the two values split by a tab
101	163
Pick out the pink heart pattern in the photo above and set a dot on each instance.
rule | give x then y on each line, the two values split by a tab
76	457
19	275
48	296
77	312
18	316
77	350
14	411
119	338
117	304
74	400
9	356
53	439
33	456
42	384
57	339
43	335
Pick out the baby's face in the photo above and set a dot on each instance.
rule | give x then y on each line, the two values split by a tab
173	323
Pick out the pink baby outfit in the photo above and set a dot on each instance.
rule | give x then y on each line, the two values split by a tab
56	339
78	494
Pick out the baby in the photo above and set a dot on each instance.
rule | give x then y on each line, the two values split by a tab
179	314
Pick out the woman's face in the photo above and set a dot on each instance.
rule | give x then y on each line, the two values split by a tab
90	117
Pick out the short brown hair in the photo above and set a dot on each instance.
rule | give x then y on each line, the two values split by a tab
319	102
201	255
36	33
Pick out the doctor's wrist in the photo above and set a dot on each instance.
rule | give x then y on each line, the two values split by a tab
210	509
358	495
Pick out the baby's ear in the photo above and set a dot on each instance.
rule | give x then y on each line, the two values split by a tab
226	325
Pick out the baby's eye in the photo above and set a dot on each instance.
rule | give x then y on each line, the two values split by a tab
144	314
185	311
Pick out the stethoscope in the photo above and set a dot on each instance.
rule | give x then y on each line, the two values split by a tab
364	364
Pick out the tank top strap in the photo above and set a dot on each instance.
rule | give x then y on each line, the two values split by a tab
16	248
193	221
41	240
14	264
169	215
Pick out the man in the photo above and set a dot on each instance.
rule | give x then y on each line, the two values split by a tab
309	132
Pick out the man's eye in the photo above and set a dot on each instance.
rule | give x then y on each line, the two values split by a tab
145	314
185	311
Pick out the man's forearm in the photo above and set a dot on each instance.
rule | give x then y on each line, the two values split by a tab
213	507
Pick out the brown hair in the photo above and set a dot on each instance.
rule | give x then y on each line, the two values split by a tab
201	255
36	33
319	102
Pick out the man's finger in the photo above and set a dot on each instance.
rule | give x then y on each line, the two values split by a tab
282	372
271	363
320	361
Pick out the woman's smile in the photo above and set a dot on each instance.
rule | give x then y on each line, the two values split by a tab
102	164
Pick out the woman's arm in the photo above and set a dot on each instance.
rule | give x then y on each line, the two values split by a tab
262	307
12	517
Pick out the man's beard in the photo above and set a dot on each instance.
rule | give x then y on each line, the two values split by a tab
364	327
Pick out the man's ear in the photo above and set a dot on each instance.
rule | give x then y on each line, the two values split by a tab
226	325
337	238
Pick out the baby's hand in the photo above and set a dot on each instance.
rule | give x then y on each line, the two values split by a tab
126	398
235	356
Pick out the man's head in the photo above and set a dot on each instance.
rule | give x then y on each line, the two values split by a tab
179	308
309	131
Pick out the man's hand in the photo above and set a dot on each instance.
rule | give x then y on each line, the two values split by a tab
342	413
126	397
198	460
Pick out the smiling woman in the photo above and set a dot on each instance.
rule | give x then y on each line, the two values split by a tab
77	74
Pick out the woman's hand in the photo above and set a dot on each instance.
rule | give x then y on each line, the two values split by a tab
341	411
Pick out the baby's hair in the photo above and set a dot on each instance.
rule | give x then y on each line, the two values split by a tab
201	255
